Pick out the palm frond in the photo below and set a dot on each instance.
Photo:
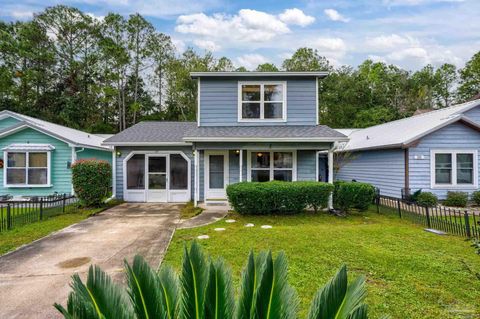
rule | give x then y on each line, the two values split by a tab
169	286
359	313
144	289
251	277
275	298
337	299
193	283
99	298
219	300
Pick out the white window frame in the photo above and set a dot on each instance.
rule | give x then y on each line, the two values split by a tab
271	168
262	101
27	154
454	183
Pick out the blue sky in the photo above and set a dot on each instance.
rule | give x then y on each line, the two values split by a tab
407	33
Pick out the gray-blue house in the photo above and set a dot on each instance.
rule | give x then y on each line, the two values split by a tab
435	151
251	126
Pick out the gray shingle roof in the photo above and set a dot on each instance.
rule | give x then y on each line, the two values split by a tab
298	132
152	132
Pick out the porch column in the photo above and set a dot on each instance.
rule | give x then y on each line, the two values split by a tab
330	175
240	166
196	177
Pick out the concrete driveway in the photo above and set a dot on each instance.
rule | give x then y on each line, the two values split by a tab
37	275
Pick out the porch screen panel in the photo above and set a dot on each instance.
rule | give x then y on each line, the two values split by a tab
178	172
136	172
157	172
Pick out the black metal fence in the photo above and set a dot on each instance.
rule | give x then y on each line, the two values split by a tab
14	213
453	221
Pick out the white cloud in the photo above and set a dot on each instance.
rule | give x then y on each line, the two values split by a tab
388	42
247	25
329	44
409	53
415	2
297	17
334	15
251	61
207	45
180	45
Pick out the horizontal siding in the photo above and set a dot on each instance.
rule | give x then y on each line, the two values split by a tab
8	122
61	176
456	136
125	151
306	170
474	114
88	153
383	169
219	102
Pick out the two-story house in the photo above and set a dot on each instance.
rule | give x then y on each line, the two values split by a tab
251	126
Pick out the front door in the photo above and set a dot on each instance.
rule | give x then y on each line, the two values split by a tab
216	175
157	178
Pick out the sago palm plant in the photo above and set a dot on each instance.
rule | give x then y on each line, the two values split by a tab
204	290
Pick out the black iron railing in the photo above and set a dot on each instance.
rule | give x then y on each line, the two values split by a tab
459	222
14	213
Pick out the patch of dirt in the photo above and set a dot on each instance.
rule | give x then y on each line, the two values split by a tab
74	262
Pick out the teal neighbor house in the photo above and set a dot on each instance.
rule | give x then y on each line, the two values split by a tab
37	155
251	126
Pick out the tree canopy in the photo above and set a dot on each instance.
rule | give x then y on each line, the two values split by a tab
105	75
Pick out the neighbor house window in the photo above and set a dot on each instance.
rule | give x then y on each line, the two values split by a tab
454	168
27	168
270	165
262	101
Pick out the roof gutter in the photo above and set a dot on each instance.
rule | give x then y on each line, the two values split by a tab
264	139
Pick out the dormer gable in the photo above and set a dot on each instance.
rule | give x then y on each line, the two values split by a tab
257	98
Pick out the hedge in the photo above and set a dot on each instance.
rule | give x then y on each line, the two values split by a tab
348	195
476	197
427	199
91	181
456	199
277	197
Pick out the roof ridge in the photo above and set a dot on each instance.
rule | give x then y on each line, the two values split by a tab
428	113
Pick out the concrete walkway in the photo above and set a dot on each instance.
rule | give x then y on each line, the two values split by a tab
210	214
37	275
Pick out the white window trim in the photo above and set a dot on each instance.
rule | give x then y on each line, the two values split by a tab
26	185
262	102
271	168
454	184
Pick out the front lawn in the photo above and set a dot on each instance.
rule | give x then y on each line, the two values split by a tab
21	235
410	273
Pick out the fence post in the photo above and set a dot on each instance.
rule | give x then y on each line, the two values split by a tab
9	217
467	224
428	217
378	203
399	210
41	208
63	202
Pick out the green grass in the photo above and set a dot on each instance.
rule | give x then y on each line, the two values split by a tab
410	273
189	210
21	235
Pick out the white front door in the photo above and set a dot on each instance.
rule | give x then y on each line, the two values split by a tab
157	178
216	175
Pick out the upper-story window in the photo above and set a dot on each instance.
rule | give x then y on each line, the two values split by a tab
262	101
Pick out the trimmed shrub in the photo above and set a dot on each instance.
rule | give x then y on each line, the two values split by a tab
348	195
427	199
476	197
456	199
277	197
91	181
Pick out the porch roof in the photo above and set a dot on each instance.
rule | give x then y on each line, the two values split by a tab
274	133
